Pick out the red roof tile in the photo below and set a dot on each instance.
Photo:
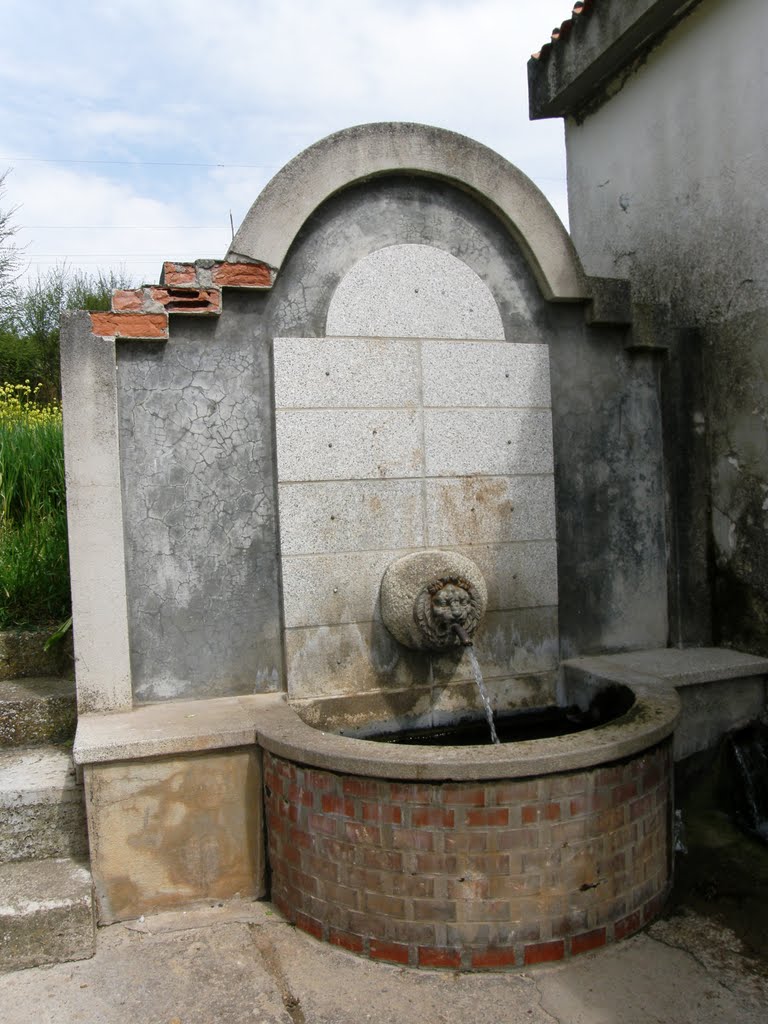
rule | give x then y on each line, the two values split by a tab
581	9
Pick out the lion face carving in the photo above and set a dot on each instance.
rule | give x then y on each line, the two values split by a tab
443	604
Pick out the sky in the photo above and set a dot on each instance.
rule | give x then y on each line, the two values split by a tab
133	130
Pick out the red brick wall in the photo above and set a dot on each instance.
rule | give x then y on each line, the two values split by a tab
192	289
471	875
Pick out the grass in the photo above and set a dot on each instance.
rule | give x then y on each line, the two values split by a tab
34	563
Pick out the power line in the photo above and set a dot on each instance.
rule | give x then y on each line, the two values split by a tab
101	255
178	163
122	227
129	163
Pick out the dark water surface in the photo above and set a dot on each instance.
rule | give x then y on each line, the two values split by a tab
537	724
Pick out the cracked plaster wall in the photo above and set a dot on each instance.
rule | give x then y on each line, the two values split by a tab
198	491
667	187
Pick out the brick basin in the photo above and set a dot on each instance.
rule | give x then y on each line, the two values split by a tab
479	875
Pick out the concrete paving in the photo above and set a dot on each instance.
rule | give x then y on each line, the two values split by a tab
241	962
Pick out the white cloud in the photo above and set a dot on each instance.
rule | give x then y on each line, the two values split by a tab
137	233
243	82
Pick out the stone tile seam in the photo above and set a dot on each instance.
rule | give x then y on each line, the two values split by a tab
437	547
310	701
408	479
378	622
410	409
414	340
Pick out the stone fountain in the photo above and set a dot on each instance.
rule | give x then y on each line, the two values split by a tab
396	420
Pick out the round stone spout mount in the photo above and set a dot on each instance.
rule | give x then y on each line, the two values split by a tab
433	600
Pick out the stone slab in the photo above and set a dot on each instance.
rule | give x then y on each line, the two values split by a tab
339	588
41	805
686	667
184	726
344	587
520	575
170	831
346	373
413	291
516	642
347	658
190	968
350	516
712	709
46	913
490	510
478	374
348	444
37	711
487	442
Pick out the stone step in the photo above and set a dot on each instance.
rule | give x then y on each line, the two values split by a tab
46	913
37	710
42	813
23	653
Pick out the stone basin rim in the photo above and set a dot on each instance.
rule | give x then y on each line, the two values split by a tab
651	719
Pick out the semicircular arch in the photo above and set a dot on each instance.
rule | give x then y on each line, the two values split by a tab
371	150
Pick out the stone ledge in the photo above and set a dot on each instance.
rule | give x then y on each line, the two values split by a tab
177	727
267	720
675	666
720	690
37	774
23	653
651	719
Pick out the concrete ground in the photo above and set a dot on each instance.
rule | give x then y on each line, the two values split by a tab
241	962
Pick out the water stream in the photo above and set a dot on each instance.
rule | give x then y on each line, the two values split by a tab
750	749
483	692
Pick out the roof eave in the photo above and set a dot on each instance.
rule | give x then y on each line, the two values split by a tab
571	71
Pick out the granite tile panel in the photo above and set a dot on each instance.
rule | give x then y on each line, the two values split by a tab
357	515
351	373
348	444
487	442
485	374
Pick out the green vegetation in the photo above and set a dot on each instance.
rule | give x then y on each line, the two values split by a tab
9	254
34	566
29	321
34	563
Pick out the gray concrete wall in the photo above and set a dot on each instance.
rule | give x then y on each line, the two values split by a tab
196	443
667	187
